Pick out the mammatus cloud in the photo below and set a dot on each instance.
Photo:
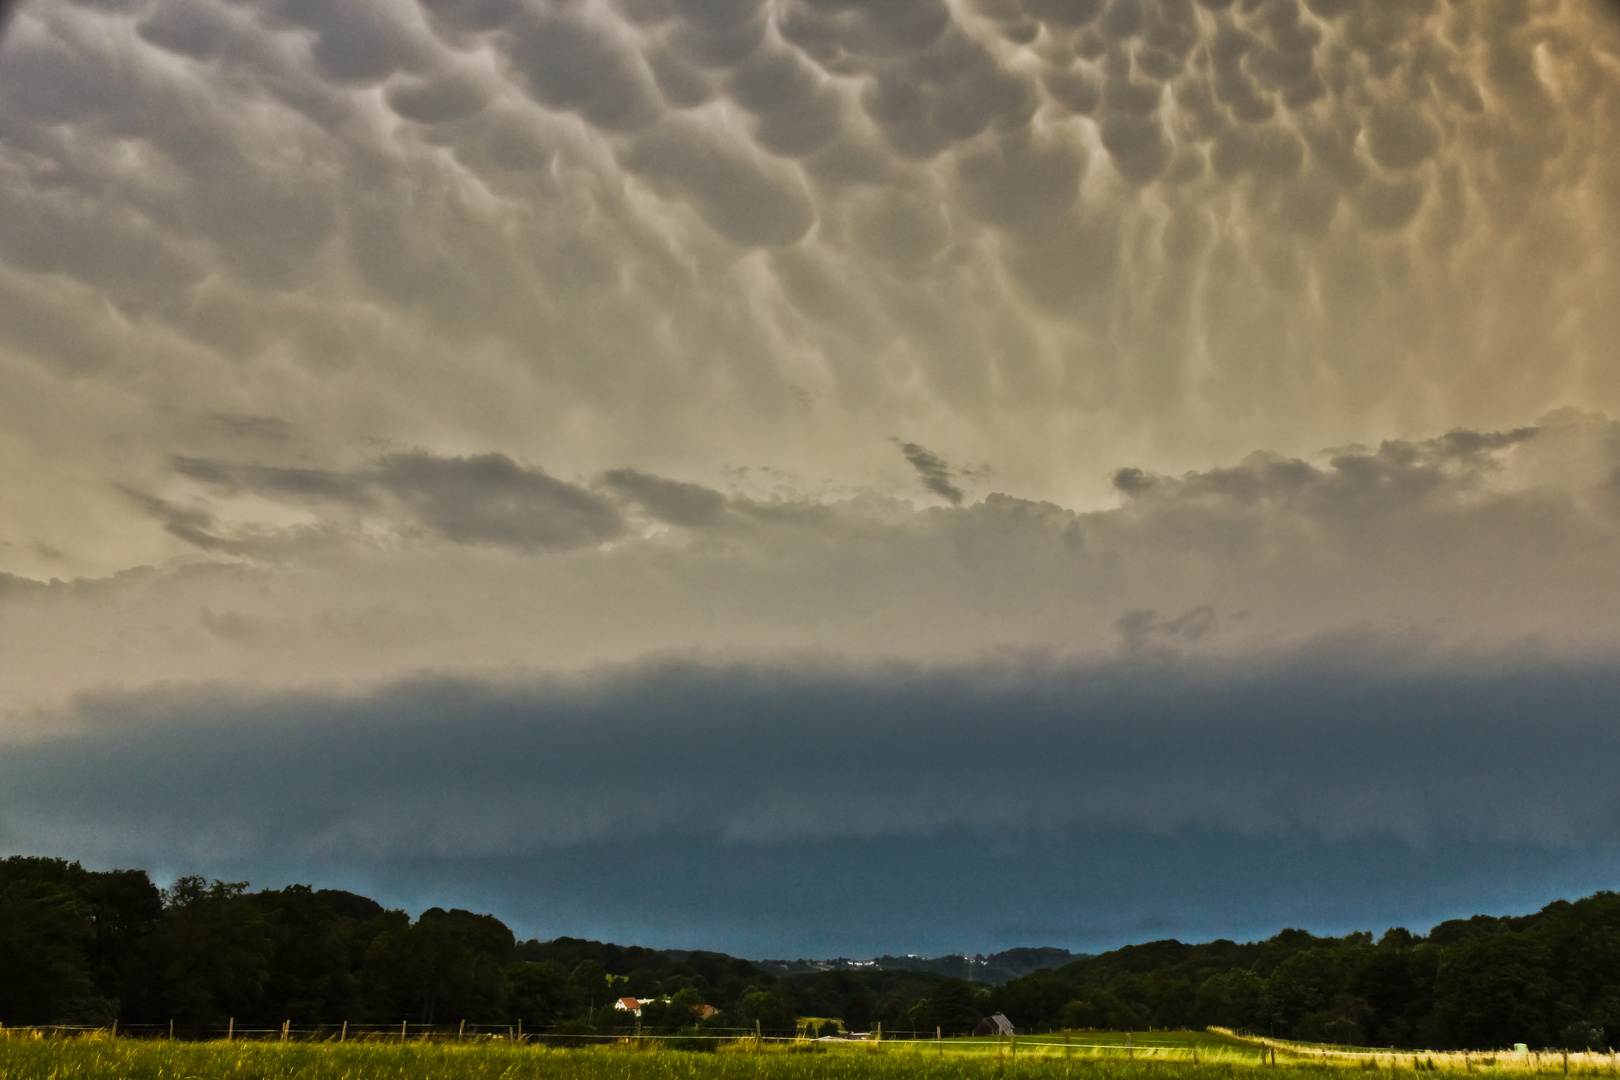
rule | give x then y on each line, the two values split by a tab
683	237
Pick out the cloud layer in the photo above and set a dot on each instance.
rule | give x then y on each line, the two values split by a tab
1078	780
1469	543
755	403
675	237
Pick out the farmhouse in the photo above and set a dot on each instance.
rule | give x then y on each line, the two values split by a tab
995	1024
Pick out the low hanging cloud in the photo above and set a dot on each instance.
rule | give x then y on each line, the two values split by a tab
1464	544
933	471
483	499
1079	785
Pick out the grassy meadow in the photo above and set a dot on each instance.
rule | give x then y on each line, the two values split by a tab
1084	1056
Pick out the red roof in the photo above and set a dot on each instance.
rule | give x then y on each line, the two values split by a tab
630	1003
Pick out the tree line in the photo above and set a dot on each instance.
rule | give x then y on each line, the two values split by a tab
1551	979
91	947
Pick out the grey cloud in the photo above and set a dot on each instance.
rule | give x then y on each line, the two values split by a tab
1122	19
436	101
825	29
718	33
905	230
945	95
1388	204
1065	13
1172	33
1395	473
1400	138
491	499
270	480
356	41
1024	184
1308	205
797	115
682	85
1135	99
933	471
1266	152
1076	89
471	16
1075	739
194	28
1232	84
1140	629
249	426
1296	766
193	525
749	200
569	63
1133	481
482	499
202	215
1137	147
1469	544
1065	269
677	503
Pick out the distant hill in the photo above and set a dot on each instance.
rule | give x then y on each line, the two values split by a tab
992	970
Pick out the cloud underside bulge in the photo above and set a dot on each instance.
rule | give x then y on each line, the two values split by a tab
661	235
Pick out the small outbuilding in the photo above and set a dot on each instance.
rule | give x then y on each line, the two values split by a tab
996	1024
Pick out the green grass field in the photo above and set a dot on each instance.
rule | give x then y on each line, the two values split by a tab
1086	1056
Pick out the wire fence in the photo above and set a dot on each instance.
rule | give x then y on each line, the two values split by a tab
1234	1046
460	1032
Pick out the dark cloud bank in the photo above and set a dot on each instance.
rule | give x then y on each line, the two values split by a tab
818	808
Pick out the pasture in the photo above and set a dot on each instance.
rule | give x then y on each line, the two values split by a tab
1084	1056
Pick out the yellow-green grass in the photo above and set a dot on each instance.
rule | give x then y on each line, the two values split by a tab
1035	1057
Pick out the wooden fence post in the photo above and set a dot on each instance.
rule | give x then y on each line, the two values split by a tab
230	1030
402	1026
343	1036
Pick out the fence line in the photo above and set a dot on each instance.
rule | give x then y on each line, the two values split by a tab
1265	1049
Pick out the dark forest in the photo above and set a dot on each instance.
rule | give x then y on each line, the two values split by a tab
86	947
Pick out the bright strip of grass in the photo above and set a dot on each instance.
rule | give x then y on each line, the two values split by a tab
1035	1057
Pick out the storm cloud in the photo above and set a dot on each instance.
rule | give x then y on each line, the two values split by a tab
1052	773
677	236
359	358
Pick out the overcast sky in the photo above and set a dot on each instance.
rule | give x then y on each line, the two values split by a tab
807	477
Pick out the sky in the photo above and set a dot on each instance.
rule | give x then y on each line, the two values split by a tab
815	478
